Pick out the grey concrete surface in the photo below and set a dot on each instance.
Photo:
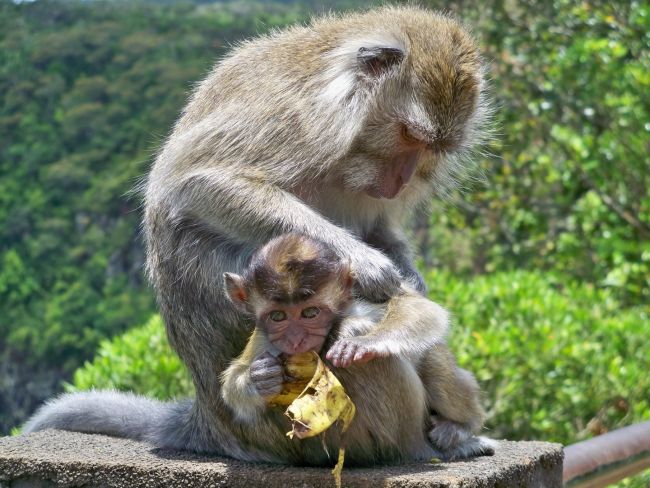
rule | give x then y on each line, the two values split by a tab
66	459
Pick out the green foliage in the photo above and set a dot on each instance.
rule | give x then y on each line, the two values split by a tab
140	360
557	360
88	90
568	189
642	480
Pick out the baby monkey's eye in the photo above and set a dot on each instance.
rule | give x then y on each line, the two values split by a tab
310	312
277	316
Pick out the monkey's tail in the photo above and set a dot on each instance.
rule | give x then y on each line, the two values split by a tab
164	424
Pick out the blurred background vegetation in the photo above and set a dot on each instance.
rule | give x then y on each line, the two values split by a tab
543	257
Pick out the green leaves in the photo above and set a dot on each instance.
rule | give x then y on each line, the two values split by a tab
568	189
139	360
551	355
89	89
87	93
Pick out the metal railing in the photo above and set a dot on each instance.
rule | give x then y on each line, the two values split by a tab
608	458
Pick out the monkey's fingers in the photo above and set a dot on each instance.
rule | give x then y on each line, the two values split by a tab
348	351
262	371
378	279
337	352
267	361
269	387
363	355
262	375
349	354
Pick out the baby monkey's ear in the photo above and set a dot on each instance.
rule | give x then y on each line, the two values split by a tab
236	291
347	277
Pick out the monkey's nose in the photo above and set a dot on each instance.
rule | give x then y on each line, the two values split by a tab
296	344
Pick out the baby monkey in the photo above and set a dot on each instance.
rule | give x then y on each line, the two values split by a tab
300	295
298	290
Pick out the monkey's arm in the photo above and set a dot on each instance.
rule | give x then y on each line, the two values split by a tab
253	375
394	245
410	326
248	208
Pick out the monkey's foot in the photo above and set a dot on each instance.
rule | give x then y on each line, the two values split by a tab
453	441
472	447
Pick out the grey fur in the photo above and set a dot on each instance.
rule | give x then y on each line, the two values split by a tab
107	412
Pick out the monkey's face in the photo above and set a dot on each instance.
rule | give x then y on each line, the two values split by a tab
416	144
297	328
388	160
422	89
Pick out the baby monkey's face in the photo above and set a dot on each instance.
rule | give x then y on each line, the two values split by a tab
298	327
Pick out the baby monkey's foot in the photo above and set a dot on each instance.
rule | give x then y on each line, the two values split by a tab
446	434
345	352
455	441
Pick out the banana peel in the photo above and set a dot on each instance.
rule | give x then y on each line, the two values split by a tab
320	404
316	400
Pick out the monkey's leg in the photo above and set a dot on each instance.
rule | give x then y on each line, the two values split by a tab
454	397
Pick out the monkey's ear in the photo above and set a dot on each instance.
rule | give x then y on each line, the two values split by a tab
374	61
235	290
346	276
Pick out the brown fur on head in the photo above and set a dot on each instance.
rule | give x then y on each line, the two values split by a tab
291	269
416	84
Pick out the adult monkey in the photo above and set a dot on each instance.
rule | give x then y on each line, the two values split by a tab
334	130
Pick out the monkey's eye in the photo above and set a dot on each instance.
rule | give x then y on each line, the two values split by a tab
410	136
310	312
277	316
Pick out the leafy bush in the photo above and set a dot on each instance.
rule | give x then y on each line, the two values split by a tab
568	187
557	360
88	89
140	360
87	92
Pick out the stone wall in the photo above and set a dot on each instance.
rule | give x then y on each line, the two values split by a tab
67	459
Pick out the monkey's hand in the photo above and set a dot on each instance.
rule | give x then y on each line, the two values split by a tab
347	351
377	278
267	374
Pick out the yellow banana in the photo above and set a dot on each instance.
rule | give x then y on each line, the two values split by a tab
316	400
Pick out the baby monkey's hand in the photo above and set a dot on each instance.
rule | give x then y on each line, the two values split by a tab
350	350
267	374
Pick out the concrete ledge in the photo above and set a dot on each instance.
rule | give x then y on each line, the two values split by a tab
67	459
